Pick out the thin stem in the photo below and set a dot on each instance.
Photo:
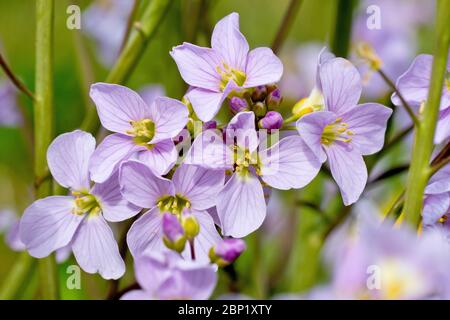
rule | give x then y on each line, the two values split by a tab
12	283
16	81
286	24
423	145
191	245
43	119
144	30
405	104
343	27
130	21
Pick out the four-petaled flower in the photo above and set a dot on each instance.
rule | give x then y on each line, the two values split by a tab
343	131
191	191
78	219
214	73
142	131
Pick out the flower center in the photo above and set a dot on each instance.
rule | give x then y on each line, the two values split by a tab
336	131
227	73
243	159
85	203
173	204
143	131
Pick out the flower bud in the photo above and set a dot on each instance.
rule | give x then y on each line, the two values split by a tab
173	233
259	93
210	125
271	87
227	251
272	120
260	109
190	226
274	99
238	105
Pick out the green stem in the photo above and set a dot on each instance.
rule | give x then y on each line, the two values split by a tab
43	119
144	30
286	24
343	27
423	144
12	283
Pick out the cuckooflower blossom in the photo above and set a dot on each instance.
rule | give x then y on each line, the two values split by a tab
376	261
142	131
78	219
343	131
413	85
9	110
241	206
214	73
191	191
437	198
167	276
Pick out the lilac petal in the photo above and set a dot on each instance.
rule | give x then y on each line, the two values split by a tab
413	84
136	295
443	127
348	170
191	280
310	127
117	105
96	250
341	85
241	205
439	182
210	151
434	207
230	42
289	164
206	103
263	67
62	254
199	185
214	215
368	122
198	65
242	127
114	149
68	159
146	233
49	224
207	238
114	206
170	116
13	238
161	157
152	268
140	186
324	56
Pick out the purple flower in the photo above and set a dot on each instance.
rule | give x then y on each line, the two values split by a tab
272	120
227	251
143	132
228	66
78	219
9	110
166	276
437	198
376	261
241	206
344	131
192	190
106	22
413	85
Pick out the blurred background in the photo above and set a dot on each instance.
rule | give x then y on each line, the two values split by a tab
285	256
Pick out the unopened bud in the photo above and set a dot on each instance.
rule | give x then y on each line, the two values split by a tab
210	125
190	226
274	99
260	109
238	105
173	233
259	93
227	251
272	120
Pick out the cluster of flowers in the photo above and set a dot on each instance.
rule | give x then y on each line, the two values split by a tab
193	205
